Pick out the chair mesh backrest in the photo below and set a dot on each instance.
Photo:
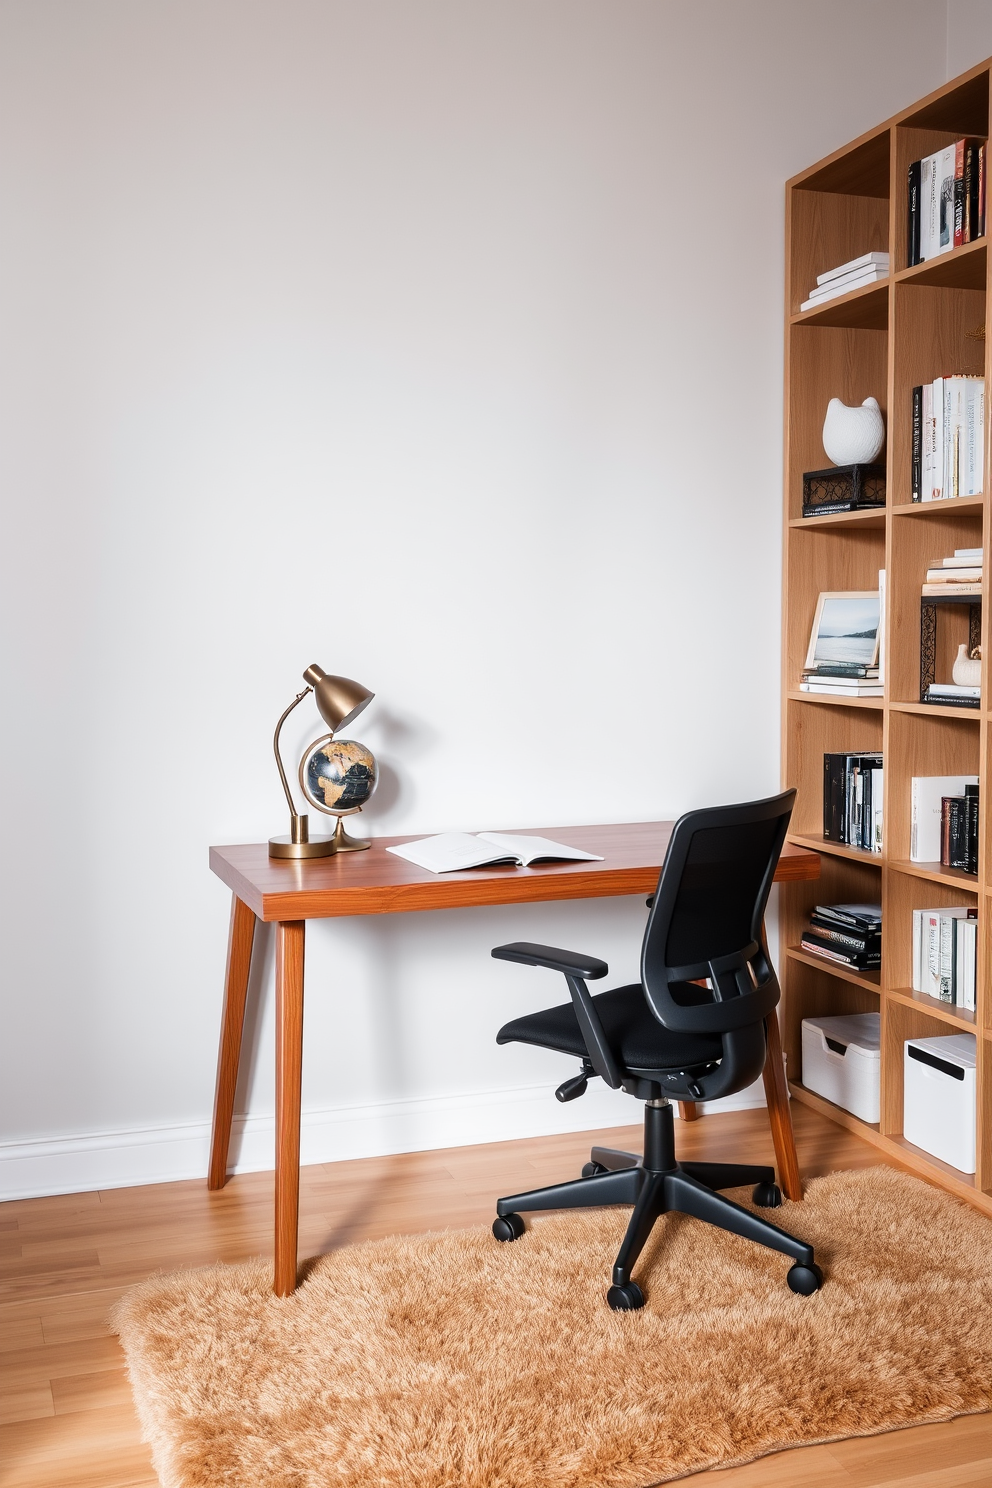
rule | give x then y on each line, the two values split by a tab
710	904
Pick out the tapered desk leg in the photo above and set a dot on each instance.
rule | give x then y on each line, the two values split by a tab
290	936
239	944
779	1111
688	1111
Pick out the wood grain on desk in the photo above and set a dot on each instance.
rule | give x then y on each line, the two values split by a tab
378	882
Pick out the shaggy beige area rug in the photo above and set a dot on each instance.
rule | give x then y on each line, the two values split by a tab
452	1361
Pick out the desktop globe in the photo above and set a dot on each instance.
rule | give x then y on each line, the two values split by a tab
338	775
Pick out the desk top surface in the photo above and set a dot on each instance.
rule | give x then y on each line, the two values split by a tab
378	882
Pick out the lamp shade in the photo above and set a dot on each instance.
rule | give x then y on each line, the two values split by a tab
338	699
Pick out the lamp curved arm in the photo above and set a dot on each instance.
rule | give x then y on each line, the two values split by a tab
275	748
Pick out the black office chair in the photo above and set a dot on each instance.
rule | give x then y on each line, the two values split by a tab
668	1036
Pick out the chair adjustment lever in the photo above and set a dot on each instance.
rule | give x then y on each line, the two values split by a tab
577	1085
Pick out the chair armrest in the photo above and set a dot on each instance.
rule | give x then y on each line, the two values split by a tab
577	970
570	963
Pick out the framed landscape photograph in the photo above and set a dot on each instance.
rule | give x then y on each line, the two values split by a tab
845	628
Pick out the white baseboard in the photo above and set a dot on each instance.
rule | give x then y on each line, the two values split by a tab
164	1154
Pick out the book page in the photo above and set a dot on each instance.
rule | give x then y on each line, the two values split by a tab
533	849
449	851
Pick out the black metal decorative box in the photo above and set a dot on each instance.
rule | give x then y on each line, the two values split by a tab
843	488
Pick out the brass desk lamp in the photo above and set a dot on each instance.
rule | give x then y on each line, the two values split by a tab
349	770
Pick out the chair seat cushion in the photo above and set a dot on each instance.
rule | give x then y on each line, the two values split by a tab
636	1037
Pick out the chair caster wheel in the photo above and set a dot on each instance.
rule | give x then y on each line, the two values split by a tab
767	1196
625	1298
509	1227
593	1169
805	1279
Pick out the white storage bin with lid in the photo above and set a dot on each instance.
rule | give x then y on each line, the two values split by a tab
841	1061
939	1097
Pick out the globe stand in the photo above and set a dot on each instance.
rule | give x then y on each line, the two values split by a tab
342	842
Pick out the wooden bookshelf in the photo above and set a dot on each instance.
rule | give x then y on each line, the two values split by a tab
881	341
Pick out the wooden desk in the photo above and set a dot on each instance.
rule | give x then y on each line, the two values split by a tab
377	882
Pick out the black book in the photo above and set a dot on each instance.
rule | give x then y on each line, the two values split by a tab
971	830
917	466
913	225
954	841
834	814
970	193
853	669
813	941
861	916
858	941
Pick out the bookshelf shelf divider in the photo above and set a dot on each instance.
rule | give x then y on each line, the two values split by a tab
928	320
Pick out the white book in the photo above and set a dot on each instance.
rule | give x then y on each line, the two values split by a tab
877	797
929	207
831	292
966	555
881	627
954	435
925	797
920	943
937	951
947	160
952	690
965	962
846	689
450	851
937	491
973	437
928	436
848	281
952	576
865	261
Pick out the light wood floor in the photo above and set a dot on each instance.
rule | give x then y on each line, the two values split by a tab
67	1419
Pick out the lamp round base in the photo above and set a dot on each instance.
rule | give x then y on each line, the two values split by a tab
285	847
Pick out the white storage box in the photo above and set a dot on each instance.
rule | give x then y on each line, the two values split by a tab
939	1100
841	1061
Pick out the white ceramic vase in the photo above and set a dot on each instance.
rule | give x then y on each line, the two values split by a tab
853	436
967	670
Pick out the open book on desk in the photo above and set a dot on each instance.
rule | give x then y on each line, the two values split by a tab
450	851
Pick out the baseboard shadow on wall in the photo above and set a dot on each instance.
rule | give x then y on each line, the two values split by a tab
166	1154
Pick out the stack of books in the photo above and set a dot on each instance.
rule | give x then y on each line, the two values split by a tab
948	438
842	679
868	269
945	943
959	830
961	573
946	200
852	800
849	934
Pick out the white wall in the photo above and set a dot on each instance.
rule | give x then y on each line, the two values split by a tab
439	344
969	34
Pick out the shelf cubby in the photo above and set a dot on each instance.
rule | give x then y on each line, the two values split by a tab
882	341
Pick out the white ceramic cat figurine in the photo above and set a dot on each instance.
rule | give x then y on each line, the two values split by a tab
967	670
853	436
